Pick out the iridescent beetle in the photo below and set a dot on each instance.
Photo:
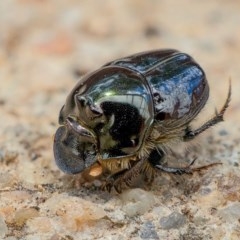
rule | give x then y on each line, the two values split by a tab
126	115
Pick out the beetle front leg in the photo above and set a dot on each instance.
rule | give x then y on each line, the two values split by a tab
190	134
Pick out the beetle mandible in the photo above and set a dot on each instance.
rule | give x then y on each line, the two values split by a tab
126	115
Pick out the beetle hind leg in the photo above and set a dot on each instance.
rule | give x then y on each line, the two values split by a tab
156	159
190	134
186	170
127	177
177	170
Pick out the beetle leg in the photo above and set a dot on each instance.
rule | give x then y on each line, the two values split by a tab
185	170
156	158
111	180
190	134
124	178
176	170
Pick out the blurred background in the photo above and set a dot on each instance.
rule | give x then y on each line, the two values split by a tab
47	45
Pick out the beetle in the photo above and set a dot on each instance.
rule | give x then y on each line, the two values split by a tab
125	116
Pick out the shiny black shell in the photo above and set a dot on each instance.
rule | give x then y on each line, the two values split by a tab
111	112
178	84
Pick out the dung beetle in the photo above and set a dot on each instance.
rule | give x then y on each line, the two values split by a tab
125	116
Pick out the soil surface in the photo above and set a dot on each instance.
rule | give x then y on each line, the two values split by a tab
45	47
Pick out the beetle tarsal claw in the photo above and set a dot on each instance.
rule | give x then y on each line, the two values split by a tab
125	116
205	167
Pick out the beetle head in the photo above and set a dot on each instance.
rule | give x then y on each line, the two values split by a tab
74	147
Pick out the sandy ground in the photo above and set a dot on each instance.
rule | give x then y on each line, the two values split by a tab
45	46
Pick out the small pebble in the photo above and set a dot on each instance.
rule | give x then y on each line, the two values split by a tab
148	231
136	201
22	215
223	132
6	180
205	191
230	213
3	228
174	220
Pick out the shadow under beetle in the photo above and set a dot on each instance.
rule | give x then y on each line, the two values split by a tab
126	115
